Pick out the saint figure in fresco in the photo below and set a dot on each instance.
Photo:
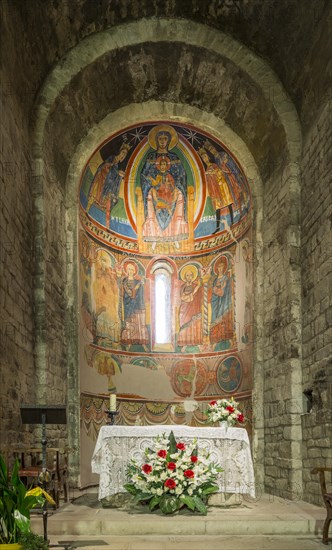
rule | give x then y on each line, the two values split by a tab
164	189
104	190
133	310
218	188
190	312
105	297
221	299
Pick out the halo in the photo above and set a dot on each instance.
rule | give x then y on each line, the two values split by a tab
159	159
103	254
130	262
186	269
163	128
221	260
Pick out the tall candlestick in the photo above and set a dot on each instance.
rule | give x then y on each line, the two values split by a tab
112	401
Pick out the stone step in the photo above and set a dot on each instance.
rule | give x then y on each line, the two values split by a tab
206	542
268	516
180	526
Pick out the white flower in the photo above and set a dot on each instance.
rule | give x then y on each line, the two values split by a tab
159	492
174	455
178	490
218	411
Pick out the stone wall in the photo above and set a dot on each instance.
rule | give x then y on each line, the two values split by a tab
317	299
23	239
282	334
16	271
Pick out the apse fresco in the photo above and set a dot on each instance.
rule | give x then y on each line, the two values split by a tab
164	188
165	248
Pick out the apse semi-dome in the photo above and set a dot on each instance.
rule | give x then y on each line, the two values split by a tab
164	188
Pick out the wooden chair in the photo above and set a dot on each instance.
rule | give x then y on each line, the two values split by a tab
31	470
327	497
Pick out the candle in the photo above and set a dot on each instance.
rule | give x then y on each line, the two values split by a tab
112	401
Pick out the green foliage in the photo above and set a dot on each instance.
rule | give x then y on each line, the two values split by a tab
130	487
154	502
31	541
15	504
169	504
172	444
188	501
199	505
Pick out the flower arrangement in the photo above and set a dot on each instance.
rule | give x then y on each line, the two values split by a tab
174	475
225	410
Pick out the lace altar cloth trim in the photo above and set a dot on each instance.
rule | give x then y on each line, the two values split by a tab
116	445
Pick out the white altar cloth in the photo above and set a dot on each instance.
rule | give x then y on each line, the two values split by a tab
116	445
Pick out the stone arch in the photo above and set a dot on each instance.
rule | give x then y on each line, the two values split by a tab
91	48
87	52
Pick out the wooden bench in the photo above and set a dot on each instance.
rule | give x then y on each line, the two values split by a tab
327	498
31	469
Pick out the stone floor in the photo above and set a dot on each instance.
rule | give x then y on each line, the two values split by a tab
268	523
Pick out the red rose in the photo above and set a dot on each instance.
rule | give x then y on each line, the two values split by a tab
180	446
240	417
170	483
171	466
194	458
212	403
230	409
189	474
162	453
147	468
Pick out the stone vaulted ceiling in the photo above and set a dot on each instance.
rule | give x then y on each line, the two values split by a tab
286	33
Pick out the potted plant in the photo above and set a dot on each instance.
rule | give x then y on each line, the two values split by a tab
16	502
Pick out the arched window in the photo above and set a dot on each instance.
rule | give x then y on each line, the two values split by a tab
162	306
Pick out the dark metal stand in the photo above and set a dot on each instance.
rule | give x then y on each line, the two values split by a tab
43	414
111	415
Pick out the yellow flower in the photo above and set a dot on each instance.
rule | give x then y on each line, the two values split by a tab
37	492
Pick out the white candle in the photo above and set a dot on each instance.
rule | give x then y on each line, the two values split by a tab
112	402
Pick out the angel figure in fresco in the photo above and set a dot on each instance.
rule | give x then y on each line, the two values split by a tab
104	190
134	329
232	178
221	300
164	189
190	311
105	297
235	182
218	188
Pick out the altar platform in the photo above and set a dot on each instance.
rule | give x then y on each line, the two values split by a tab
266	523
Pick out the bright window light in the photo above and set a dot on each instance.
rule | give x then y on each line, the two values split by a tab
162	307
